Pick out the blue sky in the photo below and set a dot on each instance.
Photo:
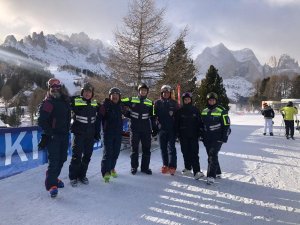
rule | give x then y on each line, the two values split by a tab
268	27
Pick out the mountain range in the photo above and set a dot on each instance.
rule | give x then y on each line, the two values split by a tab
239	69
243	63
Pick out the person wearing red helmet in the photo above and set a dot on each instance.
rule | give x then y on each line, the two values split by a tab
54	119
268	114
165	109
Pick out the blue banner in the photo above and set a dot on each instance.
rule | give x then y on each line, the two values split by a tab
19	150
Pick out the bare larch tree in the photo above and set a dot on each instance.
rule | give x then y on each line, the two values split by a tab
140	45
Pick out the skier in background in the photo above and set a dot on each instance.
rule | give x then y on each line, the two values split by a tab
288	112
268	114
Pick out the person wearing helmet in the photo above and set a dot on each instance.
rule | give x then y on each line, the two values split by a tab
112	123
164	110
142	126
86	130
268	114
54	119
288	112
216	129
187	127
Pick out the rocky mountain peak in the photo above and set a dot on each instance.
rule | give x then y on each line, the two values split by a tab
10	40
286	62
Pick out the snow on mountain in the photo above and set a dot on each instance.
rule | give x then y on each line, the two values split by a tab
77	50
285	65
236	87
242	63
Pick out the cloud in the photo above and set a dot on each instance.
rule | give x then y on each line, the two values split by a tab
268	27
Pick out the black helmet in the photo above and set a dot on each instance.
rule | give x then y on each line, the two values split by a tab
165	88
186	95
290	103
212	95
87	87
143	85
114	90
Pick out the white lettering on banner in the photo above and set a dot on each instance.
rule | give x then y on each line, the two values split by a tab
10	149
35	152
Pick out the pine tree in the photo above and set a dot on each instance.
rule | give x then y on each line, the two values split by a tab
179	69
211	83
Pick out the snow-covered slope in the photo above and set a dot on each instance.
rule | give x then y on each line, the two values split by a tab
260	185
77	50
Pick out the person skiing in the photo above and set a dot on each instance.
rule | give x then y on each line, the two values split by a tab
288	112
54	118
268	114
216	129
187	127
85	129
112	123
164	110
142	126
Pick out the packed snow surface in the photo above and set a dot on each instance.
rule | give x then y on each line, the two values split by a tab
260	185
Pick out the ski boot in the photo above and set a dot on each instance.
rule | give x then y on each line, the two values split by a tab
60	184
113	173
210	180
74	182
172	171
164	169
147	171
198	175
106	177
53	191
84	180
186	172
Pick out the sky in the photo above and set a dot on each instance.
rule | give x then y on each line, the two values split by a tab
268	27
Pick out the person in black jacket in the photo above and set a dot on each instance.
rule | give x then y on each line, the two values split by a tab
164	110
142	126
54	119
216	129
268	114
85	129
187	126
112	123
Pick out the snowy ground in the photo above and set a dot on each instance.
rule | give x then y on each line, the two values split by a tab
260	185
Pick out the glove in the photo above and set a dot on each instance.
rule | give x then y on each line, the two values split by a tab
154	133
44	141
97	137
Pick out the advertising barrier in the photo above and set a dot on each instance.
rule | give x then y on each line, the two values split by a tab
19	150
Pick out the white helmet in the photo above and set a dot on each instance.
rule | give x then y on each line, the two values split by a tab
165	88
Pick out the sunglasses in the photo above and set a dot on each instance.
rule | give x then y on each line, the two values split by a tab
55	86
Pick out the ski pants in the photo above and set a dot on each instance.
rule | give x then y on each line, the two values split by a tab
57	150
168	150
82	150
289	127
190	152
212	150
268	125
145	138
111	151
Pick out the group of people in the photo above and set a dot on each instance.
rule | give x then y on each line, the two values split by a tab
164	118
288	113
